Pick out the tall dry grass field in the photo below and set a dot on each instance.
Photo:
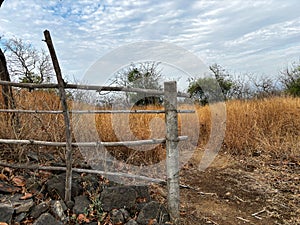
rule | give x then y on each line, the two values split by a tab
47	127
271	126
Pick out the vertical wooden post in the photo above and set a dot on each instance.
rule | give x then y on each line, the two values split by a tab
171	117
63	99
7	94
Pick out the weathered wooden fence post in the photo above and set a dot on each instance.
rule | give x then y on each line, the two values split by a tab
171	117
7	94
63	99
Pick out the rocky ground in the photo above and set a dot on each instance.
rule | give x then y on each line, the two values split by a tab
253	190
35	198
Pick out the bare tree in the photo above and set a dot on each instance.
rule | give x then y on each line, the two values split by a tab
242	88
27	63
265	86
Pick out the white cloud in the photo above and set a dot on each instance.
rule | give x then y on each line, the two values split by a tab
243	35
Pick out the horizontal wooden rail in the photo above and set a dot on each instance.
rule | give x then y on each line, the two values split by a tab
104	173
91	87
89	144
90	111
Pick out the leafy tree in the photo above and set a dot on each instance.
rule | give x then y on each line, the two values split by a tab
27	63
205	90
145	75
291	79
211	89
224	80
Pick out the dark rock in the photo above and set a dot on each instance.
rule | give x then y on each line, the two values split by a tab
33	185
18	204
46	218
23	206
118	197
141	205
39	209
58	208
70	204
123	197
142	193
91	183
8	188
20	217
125	214
153	210
6	212
33	156
56	186
116	217
131	222
81	204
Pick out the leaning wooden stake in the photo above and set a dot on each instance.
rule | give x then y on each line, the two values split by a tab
170	102
63	99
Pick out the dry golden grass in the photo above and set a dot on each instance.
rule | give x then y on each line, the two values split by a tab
47	127
271	126
268	125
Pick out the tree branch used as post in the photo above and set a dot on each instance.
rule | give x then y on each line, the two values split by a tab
171	118
63	98
7	93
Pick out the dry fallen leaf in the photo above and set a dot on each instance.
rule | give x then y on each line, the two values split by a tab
26	196
19	181
3	177
152	221
82	218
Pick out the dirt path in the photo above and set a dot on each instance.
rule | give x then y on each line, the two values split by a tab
241	192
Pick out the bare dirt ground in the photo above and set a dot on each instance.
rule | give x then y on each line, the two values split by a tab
253	190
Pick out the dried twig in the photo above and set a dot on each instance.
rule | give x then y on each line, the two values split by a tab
257	213
211	221
240	218
238	198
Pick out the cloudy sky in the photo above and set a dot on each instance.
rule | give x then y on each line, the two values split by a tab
258	36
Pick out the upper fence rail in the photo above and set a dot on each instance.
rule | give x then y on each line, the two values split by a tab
97	88
90	111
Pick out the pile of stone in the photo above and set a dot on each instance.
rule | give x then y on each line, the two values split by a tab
117	205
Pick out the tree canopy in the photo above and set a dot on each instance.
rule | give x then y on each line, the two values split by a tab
146	75
211	89
291	79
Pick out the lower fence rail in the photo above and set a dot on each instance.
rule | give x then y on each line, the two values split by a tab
89	144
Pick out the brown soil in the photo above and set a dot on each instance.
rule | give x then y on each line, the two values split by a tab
253	190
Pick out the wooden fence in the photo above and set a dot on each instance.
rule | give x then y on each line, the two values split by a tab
171	119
